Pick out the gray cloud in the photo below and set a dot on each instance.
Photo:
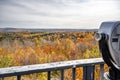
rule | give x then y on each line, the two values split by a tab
57	13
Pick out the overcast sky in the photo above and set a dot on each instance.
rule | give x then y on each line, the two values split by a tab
57	13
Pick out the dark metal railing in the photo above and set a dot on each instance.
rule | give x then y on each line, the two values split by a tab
87	64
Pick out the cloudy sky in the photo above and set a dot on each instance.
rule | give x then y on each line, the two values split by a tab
57	13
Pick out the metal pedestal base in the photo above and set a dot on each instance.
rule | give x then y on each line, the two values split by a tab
106	75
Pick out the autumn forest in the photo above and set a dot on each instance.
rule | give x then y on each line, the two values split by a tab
26	48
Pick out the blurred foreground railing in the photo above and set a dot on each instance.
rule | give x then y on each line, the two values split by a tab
87	64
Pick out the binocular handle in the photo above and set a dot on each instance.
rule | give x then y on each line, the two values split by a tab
100	36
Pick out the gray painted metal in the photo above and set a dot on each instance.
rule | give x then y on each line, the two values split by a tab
101	71
48	75
88	72
112	30
18	77
47	67
73	73
62	74
107	77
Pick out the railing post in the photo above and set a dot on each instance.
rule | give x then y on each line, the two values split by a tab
48	75
101	71
2	78
18	77
62	74
88	72
73	73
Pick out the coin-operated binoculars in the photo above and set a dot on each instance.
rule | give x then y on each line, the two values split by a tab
108	37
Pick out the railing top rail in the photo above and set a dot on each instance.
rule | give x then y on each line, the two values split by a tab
28	69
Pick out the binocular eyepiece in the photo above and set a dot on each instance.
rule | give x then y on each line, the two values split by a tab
108	37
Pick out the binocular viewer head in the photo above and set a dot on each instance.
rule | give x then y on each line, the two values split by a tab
108	37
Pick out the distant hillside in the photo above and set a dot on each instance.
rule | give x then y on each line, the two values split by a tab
11	29
44	30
